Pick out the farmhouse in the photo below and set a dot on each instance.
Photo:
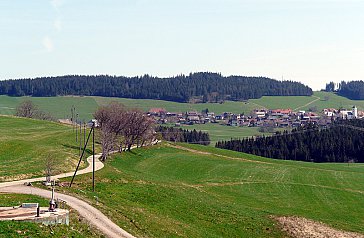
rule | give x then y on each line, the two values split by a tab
157	111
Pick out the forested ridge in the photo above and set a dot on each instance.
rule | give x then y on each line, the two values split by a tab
353	90
341	142
206	87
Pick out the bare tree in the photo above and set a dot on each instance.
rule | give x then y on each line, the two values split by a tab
148	137
26	109
110	119
107	137
123	126
29	110
137	127
50	167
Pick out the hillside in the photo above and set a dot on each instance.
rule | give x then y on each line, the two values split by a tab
26	143
196	191
201	87
60	107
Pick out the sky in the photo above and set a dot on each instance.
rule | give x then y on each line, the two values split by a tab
310	41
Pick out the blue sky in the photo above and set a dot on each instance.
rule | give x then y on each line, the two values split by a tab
312	41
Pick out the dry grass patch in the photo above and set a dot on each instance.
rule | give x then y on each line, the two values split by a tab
304	228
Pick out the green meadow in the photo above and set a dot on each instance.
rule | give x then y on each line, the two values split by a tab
221	132
194	191
26	143
60	107
78	228
331	100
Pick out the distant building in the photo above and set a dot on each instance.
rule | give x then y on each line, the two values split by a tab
259	113
355	111
349	114
157	111
330	112
280	112
93	122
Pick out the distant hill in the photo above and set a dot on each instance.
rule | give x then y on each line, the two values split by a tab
197	87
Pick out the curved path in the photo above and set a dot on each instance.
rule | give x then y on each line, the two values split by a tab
91	214
98	165
309	103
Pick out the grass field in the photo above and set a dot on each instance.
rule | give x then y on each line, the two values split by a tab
221	132
8	229
25	143
335	101
60	107
164	191
282	101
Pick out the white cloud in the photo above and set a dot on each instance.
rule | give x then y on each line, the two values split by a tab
48	43
56	3
57	24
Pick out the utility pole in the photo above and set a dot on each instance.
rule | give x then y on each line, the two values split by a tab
76	126
72	120
83	152
84	132
93	157
80	137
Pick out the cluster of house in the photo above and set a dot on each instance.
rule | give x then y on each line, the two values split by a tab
258	117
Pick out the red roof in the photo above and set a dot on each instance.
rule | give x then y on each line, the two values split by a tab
283	111
157	110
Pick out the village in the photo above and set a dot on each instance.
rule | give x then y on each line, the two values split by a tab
265	118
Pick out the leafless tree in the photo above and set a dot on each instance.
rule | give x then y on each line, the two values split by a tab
50	167
110	119
26	109
29	110
107	137
123	126
138	127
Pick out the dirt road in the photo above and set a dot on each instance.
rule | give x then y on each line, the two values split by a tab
91	214
98	165
309	103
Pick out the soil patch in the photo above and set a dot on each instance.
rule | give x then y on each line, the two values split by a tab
305	228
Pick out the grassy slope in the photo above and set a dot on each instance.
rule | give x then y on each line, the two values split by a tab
282	101
146	104
77	228
60	107
219	132
336	101
169	192
8	104
24	144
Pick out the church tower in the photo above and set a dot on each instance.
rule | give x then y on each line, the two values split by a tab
355	112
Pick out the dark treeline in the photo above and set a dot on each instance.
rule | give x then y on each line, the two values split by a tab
206	87
182	135
353	90
338	143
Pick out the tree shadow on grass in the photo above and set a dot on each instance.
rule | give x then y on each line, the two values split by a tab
131	152
87	151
